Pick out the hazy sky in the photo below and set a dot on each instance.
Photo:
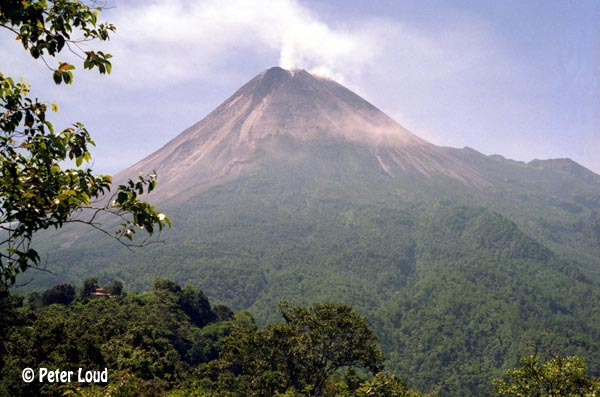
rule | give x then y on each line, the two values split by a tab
517	78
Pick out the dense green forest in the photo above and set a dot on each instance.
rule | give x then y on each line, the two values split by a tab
172	342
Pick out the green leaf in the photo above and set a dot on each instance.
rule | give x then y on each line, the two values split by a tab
57	77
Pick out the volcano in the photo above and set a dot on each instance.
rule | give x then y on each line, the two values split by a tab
296	106
295	188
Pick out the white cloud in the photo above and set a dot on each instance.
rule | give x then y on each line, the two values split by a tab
165	42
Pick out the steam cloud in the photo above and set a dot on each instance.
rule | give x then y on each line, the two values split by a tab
210	32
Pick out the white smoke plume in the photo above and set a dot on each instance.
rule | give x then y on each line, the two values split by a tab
191	38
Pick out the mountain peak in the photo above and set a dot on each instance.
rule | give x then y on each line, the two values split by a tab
279	72
275	78
269	80
306	107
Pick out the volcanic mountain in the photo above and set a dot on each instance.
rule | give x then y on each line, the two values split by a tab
297	189
299	107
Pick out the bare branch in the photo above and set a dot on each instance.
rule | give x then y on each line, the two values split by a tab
9	28
74	43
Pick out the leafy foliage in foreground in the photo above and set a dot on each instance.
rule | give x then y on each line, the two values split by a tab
301	354
557	377
38	190
171	340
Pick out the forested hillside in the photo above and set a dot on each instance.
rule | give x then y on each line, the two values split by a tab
455	289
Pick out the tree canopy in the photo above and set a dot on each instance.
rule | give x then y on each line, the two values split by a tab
560	376
301	354
172	342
